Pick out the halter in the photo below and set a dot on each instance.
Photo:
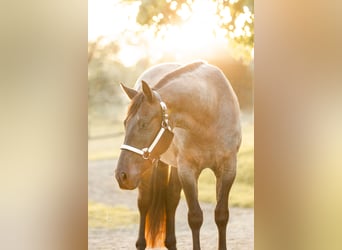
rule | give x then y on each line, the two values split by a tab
146	152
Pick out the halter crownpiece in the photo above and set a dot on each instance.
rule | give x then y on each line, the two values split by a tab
165	126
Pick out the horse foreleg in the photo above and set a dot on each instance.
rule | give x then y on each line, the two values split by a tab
188	180
141	242
173	196
224	182
144	200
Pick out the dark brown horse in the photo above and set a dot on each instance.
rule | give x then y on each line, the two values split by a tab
189	120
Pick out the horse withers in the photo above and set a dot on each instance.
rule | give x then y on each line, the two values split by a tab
187	117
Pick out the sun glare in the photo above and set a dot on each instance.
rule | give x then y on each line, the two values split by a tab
198	32
108	18
198	35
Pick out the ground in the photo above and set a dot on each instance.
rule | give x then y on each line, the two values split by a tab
103	188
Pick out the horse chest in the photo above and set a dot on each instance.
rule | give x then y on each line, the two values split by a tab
190	150
169	157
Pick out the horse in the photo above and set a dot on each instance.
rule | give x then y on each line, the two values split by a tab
186	117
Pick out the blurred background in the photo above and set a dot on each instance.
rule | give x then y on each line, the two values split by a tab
125	37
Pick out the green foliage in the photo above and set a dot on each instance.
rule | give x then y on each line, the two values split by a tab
159	13
105	72
236	9
156	12
243	40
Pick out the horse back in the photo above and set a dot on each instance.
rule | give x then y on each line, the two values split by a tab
153	75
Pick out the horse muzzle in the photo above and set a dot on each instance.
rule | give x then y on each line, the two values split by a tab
125	180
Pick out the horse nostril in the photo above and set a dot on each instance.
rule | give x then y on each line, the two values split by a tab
123	176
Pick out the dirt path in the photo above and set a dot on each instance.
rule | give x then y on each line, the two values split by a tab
103	188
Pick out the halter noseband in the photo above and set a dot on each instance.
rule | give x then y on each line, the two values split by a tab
146	152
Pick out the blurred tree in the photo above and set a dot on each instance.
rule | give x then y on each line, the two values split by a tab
236	17
105	72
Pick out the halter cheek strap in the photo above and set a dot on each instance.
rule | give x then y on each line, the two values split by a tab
146	152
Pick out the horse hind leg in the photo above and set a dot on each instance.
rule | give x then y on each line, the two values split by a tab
225	179
173	196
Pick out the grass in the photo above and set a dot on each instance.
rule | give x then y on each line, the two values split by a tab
105	216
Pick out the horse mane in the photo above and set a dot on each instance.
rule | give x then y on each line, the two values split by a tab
178	72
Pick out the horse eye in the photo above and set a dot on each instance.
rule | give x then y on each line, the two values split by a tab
142	125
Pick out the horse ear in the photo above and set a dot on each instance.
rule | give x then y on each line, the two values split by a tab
147	91
129	92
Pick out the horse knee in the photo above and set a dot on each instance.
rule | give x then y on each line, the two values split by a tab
221	217
195	219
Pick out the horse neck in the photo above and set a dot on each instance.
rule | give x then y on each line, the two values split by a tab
184	109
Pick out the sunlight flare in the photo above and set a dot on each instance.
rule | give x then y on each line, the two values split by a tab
200	31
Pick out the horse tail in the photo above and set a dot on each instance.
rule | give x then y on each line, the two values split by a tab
155	226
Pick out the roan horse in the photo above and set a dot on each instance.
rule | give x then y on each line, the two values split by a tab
187	117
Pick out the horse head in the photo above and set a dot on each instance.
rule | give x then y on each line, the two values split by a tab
147	135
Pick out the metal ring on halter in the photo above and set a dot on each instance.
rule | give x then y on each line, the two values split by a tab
164	124
146	154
